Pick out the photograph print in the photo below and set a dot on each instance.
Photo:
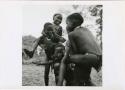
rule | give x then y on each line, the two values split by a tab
62	45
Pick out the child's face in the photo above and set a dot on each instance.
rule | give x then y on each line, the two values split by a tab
70	26
49	32
59	53
57	19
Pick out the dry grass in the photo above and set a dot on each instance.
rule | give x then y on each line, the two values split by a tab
32	75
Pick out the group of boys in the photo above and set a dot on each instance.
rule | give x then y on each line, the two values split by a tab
74	61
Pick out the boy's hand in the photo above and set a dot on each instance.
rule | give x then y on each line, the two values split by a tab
62	39
29	53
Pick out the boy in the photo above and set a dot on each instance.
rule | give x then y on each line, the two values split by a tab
57	57
57	19
49	39
83	51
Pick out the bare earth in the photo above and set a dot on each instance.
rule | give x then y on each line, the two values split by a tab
33	75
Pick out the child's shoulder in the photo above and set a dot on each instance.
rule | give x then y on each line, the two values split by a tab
59	26
78	31
80	28
42	38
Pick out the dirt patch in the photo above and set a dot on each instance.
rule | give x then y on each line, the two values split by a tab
33	76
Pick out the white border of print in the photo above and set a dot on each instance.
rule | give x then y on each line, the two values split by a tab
11	41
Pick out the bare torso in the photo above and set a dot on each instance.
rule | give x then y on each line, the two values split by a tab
82	41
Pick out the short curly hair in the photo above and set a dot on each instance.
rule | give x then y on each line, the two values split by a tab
56	15
46	25
76	18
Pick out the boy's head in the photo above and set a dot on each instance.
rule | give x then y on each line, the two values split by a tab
48	29
57	18
59	52
73	21
45	27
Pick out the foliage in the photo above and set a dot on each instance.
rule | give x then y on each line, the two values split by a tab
97	11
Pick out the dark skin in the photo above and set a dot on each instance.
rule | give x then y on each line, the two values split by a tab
63	67
47	66
84	54
57	19
50	34
57	57
57	32
30	54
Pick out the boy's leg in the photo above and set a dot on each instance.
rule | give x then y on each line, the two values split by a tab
46	74
68	76
56	71
81	74
82	69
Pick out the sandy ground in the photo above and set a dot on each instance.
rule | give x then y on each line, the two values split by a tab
32	75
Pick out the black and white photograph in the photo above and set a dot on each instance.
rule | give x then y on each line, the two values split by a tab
62	45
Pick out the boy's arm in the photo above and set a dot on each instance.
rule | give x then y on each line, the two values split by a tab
30	53
63	68
36	44
78	58
46	63
60	31
60	38
72	37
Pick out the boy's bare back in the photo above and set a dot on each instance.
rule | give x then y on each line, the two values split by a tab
83	41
